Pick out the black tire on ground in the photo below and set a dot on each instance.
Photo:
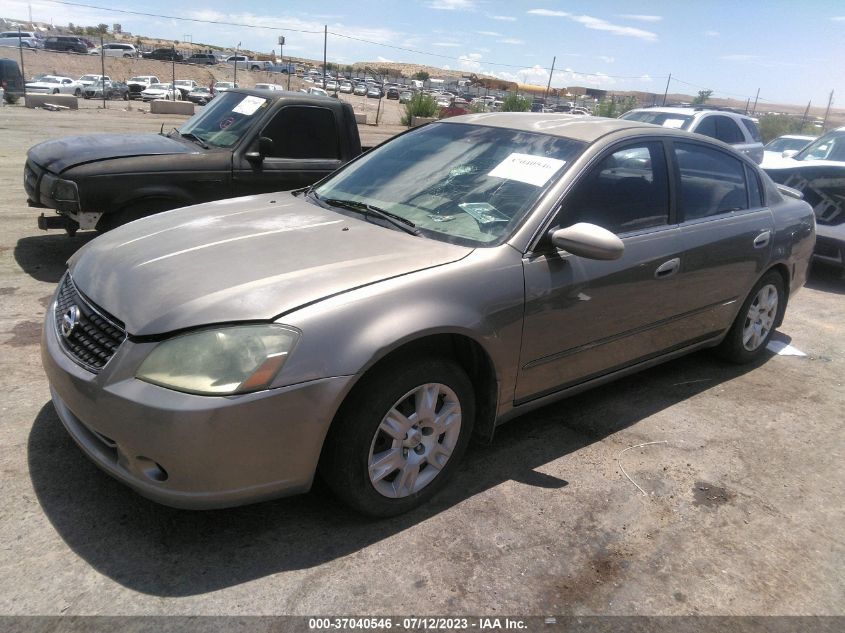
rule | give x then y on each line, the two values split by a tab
127	55
732	347
344	460
55	91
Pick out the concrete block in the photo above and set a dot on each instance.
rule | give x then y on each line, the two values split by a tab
163	106
38	101
421	120
361	118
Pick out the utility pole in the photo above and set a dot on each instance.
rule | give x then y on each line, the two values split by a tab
103	69
325	38
804	118
237	50
549	85
666	92
754	109
747	102
23	73
827	111
173	69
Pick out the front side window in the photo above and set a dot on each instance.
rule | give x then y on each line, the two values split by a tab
712	182
627	191
303	132
460	183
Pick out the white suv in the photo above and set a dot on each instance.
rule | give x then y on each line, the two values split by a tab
27	39
729	127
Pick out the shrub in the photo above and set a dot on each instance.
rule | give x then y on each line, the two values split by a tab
515	103
420	104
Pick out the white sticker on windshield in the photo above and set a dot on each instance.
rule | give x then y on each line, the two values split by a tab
675	123
535	170
249	105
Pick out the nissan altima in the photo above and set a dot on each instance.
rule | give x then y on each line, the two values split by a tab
449	280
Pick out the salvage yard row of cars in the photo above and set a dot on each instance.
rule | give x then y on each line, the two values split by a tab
397	301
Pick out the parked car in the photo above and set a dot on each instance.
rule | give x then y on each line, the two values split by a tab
55	85
66	43
360	90
185	86
140	83
223	86
445	282
115	49
104	180
317	92
11	80
331	85
245	63
392	93
793	143
112	89
200	95
818	172
27	39
374	92
346	87
161	91
734	129
269	87
87	80
406	96
164	54
202	59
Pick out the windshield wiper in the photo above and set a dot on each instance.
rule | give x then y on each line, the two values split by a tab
367	209
195	138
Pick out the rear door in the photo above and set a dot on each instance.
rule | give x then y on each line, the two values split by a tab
306	147
726	233
585	317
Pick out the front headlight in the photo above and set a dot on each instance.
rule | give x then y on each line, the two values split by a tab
65	191
221	361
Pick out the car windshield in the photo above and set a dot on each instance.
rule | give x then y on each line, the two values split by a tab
831	146
227	119
49	80
159	87
465	184
783	144
140	79
89	78
666	119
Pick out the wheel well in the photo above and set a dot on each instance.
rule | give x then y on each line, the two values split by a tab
471	357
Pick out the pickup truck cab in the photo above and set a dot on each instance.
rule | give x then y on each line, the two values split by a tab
244	62
244	142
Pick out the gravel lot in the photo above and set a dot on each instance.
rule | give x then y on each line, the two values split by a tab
743	515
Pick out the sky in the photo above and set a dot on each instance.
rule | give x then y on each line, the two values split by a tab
791	51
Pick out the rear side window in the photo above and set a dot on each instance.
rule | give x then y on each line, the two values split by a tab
627	191
304	132
753	130
707	126
755	193
712	182
727	130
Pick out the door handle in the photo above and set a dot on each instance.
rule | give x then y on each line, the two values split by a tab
667	269
763	239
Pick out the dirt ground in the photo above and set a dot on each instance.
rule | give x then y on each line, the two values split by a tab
743	475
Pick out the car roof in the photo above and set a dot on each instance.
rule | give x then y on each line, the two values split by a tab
587	129
690	111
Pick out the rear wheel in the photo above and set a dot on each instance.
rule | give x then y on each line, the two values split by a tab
751	331
400	436
55	91
77	92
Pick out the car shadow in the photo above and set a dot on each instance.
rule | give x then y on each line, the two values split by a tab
166	552
826	278
44	257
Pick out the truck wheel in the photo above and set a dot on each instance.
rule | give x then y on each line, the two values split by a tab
399	437
255	68
134	211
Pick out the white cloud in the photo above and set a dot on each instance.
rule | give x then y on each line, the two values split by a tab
603	25
641	18
606	59
452	5
739	58
446	44
838	18
549	13
511	40
505	18
490	33
384	59
711	33
470	62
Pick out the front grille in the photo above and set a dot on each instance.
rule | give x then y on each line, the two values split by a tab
95	337
30	181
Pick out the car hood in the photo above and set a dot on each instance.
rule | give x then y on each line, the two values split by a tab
242	259
773	160
64	153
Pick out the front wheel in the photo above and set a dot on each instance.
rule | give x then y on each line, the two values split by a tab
55	91
751	331
77	92
400	436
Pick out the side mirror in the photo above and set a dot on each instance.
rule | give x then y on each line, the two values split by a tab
588	240
266	147
789	153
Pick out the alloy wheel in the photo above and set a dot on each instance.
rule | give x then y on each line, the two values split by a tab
760	318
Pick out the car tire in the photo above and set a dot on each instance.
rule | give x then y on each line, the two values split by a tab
364	443
77	92
127	55
754	324
55	91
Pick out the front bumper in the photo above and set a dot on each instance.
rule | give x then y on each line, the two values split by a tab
189	451
830	245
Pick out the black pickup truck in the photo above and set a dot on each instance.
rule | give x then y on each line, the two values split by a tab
244	142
